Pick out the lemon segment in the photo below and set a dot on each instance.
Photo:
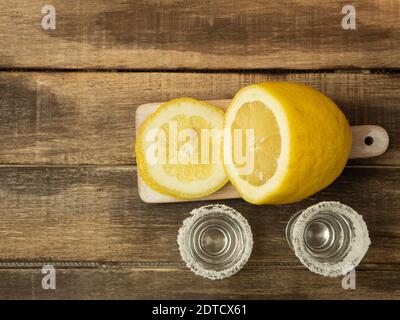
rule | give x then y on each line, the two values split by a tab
178	149
300	143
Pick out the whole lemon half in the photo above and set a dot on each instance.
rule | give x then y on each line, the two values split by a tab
285	142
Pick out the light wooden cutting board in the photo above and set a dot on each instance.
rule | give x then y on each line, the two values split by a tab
368	141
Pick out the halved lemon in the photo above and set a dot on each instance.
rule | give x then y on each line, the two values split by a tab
298	142
178	149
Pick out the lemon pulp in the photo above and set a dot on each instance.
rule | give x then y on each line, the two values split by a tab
192	170
265	143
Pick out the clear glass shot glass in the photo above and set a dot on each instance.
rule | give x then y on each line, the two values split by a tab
215	241
329	238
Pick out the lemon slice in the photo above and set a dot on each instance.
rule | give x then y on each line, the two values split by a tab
298	142
178	149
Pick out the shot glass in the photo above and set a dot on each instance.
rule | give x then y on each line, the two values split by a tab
215	241
329	238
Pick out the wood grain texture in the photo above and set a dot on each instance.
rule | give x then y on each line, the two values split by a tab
295	34
178	283
88	118
68	191
94	214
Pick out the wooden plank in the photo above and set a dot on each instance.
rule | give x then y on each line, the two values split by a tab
143	34
88	118
176	283
94	214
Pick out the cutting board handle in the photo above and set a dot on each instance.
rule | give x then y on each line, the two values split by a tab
368	141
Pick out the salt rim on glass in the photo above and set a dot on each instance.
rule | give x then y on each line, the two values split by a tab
358	242
215	241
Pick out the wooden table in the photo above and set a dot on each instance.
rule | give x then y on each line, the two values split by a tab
68	180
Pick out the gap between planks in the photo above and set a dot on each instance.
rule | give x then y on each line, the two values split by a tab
188	70
168	265
134	166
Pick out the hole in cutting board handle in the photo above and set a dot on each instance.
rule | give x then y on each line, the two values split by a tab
369	140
